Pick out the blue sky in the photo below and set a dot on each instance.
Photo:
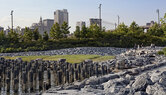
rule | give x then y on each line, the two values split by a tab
27	12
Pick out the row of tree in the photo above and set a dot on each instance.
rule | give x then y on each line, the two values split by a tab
56	32
122	36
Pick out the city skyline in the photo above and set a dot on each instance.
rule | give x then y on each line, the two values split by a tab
28	12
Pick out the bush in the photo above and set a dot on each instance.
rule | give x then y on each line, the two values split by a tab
160	52
9	50
164	49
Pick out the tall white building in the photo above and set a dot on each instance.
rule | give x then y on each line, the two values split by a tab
80	24
61	16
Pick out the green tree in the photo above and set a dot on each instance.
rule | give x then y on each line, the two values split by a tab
2	37
163	20
77	32
84	32
156	30
95	31
36	34
45	36
163	24
13	37
65	29
56	32
135	29
28	35
122	29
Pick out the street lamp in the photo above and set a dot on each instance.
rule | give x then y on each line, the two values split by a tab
118	20
100	16
12	19
158	12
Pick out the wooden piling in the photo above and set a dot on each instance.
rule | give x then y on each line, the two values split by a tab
49	77
31	81
16	85
8	85
40	80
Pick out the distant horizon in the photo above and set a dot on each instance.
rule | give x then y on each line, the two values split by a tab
28	12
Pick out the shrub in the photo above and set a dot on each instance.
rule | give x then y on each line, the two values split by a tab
160	52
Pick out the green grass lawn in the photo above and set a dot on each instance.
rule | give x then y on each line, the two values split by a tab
69	58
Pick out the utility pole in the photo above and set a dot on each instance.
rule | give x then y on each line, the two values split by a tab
12	19
158	12
118	20
115	25
100	16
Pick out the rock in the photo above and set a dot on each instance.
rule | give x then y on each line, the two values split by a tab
156	88
114	86
140	93
129	77
19	60
88	61
162	81
150	89
141	82
160	92
123	91
163	74
92	81
72	51
39	60
62	60
122	64
135	71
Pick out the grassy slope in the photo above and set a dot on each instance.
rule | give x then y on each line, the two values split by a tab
69	58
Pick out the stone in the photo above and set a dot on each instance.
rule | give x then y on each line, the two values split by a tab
121	64
114	86
140	93
72	51
160	92
129	77
62	60
156	88
19	60
142	82
162	81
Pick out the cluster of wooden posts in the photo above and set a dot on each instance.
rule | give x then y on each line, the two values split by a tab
17	76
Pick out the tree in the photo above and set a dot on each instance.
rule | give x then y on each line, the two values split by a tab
36	34
13	37
65	29
28	34
122	29
45	36
163	20
163	24
156	30
95	31
2	37
84	32
135	29
56	32
77	32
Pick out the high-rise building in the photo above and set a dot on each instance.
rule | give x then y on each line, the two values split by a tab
61	16
95	21
80	24
47	24
43	25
